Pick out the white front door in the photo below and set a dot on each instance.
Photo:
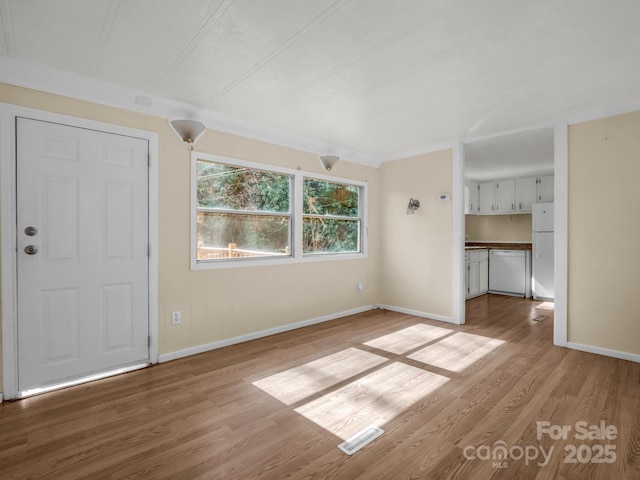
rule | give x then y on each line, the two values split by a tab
82	259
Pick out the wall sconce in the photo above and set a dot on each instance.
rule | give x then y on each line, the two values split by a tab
328	161
413	206
188	131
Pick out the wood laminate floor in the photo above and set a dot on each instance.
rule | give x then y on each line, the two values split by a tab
455	402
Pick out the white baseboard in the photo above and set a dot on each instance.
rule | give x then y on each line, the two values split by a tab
165	357
417	313
632	357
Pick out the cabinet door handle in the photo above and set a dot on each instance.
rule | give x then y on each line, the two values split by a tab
520	207
512	207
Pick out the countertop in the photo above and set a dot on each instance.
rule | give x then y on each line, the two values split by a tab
498	245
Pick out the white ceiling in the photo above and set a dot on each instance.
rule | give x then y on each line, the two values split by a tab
372	79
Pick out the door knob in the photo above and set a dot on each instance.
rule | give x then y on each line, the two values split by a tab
30	231
31	249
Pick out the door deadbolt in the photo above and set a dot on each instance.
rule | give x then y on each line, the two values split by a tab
31	249
30	231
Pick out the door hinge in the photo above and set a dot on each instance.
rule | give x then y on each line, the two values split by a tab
149	341
148	250
148	160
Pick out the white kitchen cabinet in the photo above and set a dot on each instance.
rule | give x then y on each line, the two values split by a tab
487	198
497	197
483	276
527	193
477	272
545	189
532	190
506	196
510	195
470	197
474	279
473	197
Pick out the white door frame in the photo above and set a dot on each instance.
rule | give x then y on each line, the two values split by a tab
8	215
561	231
459	293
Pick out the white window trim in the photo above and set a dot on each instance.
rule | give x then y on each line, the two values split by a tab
296	217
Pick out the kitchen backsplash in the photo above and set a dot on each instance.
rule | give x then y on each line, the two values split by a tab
498	228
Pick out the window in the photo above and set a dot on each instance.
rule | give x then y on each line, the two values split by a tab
241	212
250	214
331	217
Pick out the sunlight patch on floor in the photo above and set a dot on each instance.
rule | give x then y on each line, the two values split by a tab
373	399
408	338
306	380
546	305
456	352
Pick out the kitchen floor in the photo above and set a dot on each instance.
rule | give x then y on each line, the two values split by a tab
478	308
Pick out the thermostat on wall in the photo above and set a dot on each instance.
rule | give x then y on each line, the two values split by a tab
443	197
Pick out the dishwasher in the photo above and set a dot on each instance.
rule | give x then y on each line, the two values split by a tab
510	272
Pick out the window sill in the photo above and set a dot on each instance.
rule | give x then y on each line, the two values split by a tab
261	262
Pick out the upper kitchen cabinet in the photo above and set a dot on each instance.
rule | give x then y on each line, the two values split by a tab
497	197
487	198
470	197
527	193
474	200
512	195
532	190
545	189
506	196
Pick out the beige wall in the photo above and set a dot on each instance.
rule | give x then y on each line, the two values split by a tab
604	233
498	228
221	304
417	250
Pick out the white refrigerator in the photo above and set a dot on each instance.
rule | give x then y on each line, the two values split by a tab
542	262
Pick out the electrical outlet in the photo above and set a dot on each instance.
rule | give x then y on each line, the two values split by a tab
176	318
359	287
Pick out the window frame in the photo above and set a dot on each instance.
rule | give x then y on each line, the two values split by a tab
295	214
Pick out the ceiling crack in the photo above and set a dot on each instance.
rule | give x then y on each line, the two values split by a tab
105	32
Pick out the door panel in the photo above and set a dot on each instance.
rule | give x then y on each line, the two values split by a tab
60	209
60	324
83	295
117	316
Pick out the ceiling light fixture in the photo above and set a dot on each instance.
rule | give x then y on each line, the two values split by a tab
328	161
188	131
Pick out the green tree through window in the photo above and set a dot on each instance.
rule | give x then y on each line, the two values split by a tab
241	212
331	214
244	211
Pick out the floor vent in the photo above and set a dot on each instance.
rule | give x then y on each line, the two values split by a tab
360	439
539	318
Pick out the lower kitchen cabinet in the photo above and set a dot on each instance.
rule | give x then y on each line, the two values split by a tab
477	272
